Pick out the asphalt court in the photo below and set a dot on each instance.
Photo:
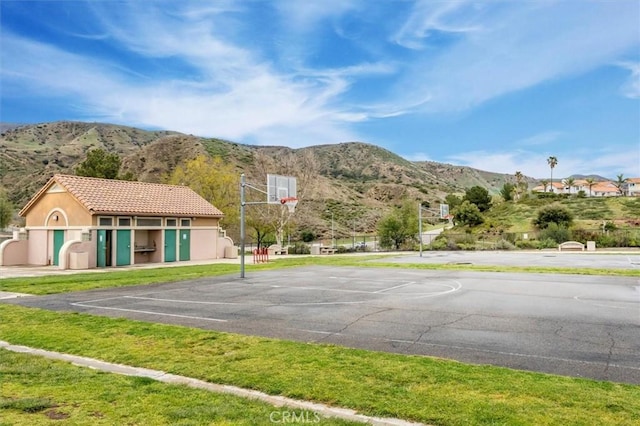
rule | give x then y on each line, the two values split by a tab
583	326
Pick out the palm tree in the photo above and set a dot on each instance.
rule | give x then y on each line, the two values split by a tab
544	183
552	161
620	183
590	182
570	182
519	177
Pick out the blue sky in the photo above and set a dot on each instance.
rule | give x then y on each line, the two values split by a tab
496	85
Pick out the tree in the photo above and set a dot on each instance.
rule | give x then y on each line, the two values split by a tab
519	184
214	180
553	162
569	183
544	184
99	164
303	166
621	183
453	201
6	210
479	196
468	213
554	213
590	182
507	191
399	227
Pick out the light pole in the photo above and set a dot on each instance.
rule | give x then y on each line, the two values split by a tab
333	241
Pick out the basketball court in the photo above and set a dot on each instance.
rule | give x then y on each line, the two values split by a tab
583	326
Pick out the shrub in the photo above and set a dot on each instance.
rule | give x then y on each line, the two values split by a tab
527	244
299	248
503	244
553	213
555	232
308	236
547	243
468	214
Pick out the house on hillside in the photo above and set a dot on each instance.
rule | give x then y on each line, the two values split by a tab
605	189
632	187
555	187
79	222
598	189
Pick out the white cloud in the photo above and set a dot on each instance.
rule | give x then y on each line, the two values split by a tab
418	156
631	88
428	16
304	16
542	138
519	45
607	163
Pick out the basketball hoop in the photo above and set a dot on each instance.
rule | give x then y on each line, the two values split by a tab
290	202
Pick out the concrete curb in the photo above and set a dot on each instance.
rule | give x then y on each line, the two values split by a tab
161	376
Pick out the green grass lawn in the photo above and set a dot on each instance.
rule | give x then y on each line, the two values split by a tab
425	389
38	391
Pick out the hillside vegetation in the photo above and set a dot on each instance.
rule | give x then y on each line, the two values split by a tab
358	182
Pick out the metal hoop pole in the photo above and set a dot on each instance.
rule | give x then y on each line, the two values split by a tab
242	233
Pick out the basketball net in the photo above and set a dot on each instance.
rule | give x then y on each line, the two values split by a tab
290	202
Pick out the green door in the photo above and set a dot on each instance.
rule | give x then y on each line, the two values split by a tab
185	244
170	245
123	247
102	248
58	241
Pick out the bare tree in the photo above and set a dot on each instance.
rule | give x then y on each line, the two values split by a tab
300	164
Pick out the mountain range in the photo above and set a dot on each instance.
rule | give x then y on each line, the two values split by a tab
352	179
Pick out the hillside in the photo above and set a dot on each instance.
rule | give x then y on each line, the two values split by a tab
359	182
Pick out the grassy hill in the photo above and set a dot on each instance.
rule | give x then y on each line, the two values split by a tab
354	179
358	182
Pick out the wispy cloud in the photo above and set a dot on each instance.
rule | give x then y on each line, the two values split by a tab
605	162
428	17
301	73
519	45
631	89
543	138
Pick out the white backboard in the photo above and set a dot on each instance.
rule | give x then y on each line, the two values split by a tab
444	211
279	187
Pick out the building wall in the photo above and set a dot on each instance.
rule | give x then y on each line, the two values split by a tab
204	243
13	252
60	204
38	253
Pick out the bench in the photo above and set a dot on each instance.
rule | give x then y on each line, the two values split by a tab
571	245
327	250
276	249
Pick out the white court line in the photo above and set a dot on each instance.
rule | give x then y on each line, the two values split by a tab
84	305
516	354
452	289
316	331
588	302
182	301
394	287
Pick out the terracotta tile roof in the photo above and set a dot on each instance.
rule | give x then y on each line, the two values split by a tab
109	196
